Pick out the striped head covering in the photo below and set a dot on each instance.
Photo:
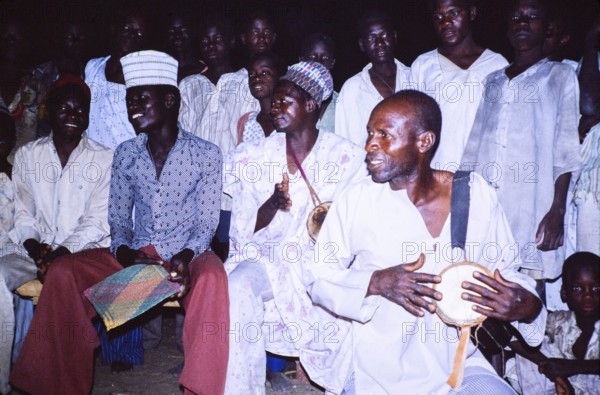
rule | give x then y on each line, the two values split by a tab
313	77
149	68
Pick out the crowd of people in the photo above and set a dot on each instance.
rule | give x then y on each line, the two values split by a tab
303	223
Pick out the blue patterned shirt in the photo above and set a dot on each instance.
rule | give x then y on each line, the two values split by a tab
177	211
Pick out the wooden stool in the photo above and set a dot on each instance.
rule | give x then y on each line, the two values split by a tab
31	290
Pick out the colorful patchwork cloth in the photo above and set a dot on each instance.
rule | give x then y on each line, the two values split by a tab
130	292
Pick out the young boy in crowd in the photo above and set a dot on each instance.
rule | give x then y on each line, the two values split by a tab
181	42
379	79
264	70
319	47
453	74
569	358
559	32
258	33
524	141
109	125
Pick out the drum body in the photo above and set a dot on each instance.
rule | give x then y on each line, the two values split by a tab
316	218
452	309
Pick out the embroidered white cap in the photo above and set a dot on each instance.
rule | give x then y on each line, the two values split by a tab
149	68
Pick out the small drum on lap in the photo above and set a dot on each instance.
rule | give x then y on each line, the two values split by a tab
456	311
316	219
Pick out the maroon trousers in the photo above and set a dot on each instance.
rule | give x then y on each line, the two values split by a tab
57	356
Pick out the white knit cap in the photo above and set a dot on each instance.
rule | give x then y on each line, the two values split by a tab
149	68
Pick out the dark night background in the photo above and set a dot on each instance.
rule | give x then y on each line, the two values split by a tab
294	20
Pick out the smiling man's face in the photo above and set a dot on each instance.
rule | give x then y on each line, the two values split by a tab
69	112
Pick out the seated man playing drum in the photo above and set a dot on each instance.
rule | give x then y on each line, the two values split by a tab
276	184
403	215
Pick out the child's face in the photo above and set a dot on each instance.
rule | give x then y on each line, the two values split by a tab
179	35
215	45
582	295
555	41
73	41
262	78
260	36
11	41
130	35
320	52
452	21
527	27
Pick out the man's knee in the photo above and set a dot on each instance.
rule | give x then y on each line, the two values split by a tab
210	267
61	267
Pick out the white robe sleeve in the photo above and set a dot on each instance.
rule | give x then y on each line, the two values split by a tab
337	287
245	206
341	122
25	223
566	138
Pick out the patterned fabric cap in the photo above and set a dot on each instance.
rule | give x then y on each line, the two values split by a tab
149	68
313	77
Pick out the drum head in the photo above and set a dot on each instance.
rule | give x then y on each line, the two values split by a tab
452	309
316	218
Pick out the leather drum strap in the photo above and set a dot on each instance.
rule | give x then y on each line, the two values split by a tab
459	218
458	371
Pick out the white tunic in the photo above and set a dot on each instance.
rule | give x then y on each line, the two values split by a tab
371	227
62	206
212	112
458	92
7	207
109	123
284	247
357	99
524	137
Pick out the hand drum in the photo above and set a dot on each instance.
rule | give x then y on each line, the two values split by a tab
456	311
316	218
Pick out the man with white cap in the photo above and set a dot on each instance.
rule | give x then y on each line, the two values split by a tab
275	184
172	181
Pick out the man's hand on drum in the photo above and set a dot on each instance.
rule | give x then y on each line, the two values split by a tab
503	300
402	285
